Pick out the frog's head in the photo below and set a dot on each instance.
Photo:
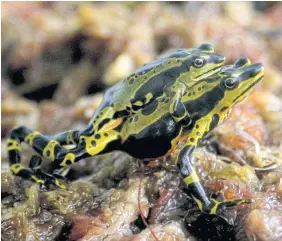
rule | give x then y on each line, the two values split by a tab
219	92
238	80
202	62
189	65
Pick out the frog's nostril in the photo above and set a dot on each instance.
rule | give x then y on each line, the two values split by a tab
257	68
242	62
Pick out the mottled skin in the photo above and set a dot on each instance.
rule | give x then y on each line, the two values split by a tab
151	131
175	72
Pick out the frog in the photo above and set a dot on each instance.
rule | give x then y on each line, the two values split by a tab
175	71
149	132
209	102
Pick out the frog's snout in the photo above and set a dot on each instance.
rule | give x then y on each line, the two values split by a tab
218	58
254	70
259	68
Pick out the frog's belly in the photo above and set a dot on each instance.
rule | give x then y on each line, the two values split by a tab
153	141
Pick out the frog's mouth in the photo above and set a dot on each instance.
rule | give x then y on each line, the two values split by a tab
208	73
260	77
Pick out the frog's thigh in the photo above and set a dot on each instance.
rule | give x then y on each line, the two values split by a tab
130	126
104	119
98	143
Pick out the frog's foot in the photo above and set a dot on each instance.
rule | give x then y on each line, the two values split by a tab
48	179
220	207
35	174
53	179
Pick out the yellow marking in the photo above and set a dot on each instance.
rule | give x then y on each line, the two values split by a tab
138	103
38	180
15	168
192	143
51	149
143	121
111	125
64	171
154	72
148	97
82	138
95	146
68	157
200	126
208	51
106	113
70	139
13	145
92	148
194	88
57	182
176	140
177	119
30	137
37	167
246	64
199	203
191	178
213	210
261	74
174	144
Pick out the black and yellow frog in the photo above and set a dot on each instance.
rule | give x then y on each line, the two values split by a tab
183	95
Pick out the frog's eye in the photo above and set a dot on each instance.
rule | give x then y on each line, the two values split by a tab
242	62
230	83
198	63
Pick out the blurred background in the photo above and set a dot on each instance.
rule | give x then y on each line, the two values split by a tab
58	56
57	60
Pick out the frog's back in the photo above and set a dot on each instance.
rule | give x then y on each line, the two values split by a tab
147	82
154	79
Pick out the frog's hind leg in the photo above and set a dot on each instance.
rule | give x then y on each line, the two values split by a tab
47	146
106	119
67	138
53	150
39	143
100	142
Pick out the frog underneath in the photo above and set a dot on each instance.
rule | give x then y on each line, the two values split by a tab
151	131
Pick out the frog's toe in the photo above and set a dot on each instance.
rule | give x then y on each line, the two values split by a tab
35	162
36	174
49	179
223	213
220	208
26	173
60	177
61	173
61	183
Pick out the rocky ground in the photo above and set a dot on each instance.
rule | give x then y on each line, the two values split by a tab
59	57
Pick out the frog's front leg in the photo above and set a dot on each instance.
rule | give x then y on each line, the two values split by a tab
177	108
206	204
